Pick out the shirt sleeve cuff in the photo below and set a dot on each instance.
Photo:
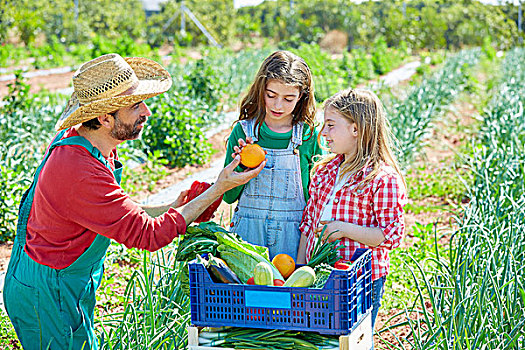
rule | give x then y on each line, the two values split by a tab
393	234
180	222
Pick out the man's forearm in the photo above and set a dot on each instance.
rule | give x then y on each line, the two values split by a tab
155	210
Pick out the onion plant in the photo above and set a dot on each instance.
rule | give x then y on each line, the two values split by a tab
411	117
475	299
156	310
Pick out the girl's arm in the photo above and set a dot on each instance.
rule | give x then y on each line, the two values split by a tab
371	236
388	201
237	133
301	252
306	223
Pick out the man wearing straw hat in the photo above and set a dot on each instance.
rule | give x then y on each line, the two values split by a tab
75	205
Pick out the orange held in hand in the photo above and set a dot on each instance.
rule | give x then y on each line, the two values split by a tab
252	155
284	263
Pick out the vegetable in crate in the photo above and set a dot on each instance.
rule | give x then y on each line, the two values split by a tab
199	239
219	270
322	273
302	277
284	263
325	252
249	338
242	256
262	274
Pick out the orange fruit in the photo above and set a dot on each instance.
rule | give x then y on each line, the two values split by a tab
252	155
284	263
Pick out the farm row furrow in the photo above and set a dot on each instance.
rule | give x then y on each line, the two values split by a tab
476	295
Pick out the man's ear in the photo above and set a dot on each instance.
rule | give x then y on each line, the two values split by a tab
106	120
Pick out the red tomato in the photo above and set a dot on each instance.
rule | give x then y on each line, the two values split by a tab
341	266
251	281
278	283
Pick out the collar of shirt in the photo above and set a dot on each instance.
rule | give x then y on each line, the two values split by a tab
329	171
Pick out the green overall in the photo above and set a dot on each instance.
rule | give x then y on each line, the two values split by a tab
54	308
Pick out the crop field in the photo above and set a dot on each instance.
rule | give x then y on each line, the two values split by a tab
456	281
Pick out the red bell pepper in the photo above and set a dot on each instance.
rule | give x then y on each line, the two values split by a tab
196	189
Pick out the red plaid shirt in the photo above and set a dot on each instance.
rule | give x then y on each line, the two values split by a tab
378	204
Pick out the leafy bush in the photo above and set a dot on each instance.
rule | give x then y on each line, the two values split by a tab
25	129
175	130
204	83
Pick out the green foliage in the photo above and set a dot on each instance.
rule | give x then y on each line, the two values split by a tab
445	183
175	130
380	58
204	83
20	150
156	309
214	15
421	248
146	175
327	74
411	117
124	46
474	298
8	338
363	64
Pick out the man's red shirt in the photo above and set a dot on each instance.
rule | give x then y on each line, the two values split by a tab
76	198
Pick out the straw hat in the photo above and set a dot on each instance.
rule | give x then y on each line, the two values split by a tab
110	82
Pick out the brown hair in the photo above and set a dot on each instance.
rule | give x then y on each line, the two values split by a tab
289	69
374	145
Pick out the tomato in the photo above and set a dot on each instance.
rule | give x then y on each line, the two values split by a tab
251	281
278	283
341	266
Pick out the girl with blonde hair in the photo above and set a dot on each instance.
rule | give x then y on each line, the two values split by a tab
358	191
278	114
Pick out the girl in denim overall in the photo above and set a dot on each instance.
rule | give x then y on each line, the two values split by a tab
358	191
278	114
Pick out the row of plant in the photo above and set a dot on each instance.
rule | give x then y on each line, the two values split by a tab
474	297
62	33
411	116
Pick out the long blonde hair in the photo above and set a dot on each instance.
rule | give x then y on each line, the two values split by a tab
289	69
363	108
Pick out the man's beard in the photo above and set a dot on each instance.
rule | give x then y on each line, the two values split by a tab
122	131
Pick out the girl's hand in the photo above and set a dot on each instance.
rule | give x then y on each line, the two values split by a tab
242	144
331	226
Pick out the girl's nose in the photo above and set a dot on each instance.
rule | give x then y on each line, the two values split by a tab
323	131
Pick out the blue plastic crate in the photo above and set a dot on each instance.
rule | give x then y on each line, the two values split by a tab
335	309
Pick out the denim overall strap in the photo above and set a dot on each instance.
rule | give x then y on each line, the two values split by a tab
51	307
271	205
